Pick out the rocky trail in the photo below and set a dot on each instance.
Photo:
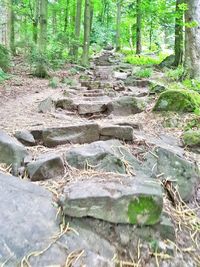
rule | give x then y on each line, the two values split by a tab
90	176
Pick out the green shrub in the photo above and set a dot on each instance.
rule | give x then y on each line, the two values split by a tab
4	58
192	84
175	75
145	60
53	83
144	73
3	76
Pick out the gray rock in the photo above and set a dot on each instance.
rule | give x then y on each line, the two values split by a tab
119	132
47	105
27	223
11	151
167	62
91	107
156	88
120	75
181	172
65	103
46	167
26	138
109	156
81	133
132	81
131	200
127	105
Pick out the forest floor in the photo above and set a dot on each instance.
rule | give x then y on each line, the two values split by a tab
19	100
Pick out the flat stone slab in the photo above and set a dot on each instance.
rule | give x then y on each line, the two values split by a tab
27	223
106	156
46	167
119	132
131	200
90	108
82	133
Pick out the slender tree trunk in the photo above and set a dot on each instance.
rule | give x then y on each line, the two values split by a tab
77	28
118	43
178	46
138	28
150	35
54	21
11	26
131	37
42	40
35	21
66	16
86	44
192	57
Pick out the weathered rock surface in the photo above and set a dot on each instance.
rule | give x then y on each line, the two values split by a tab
178	100
65	103
47	105
90	108
133	81
133	200
167	62
157	88
45	167
27	223
11	151
120	75
119	132
109	156
126	105
26	138
82	133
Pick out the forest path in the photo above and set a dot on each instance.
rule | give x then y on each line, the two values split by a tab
94	178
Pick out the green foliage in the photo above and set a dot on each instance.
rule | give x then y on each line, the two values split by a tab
175	75
53	83
192	84
3	76
4	58
193	124
144	60
144	73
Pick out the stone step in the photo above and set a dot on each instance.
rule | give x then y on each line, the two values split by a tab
91	108
125	200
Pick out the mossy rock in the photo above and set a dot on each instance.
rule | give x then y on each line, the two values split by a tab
192	138
178	100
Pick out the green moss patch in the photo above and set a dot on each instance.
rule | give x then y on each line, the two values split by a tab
144	210
192	138
178	100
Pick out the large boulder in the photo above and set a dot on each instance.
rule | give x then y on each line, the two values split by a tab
126	200
167	62
11	151
27	224
126	105
82	133
46	167
178	100
108	156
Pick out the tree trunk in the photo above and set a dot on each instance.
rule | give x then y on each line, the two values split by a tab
86	44
192	57
11	26
54	21
35	21
138	28
66	16
77	28
42	41
178	46
118	44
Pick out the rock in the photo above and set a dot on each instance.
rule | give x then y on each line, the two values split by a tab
167	62
178	100
119	132
65	103
120	75
28	208
26	138
181	172
133	201
46	105
11	151
132	81
156	88
91	107
46	167
109	156
82	133
126	105
191	138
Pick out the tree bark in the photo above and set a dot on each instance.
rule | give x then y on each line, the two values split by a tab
118	43
77	28
138	28
11	27
86	44
192	52
42	40
35	21
66	16
178	46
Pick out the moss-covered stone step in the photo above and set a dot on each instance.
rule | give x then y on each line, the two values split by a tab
191	138
178	100
133	200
